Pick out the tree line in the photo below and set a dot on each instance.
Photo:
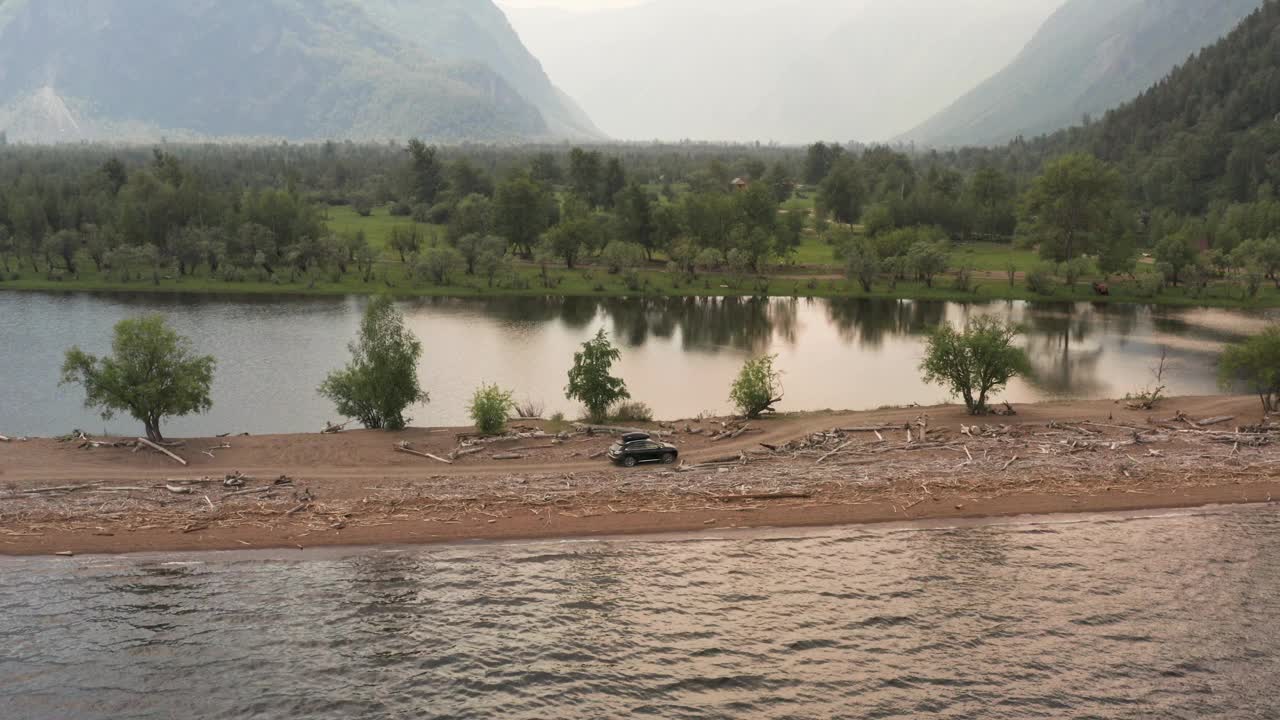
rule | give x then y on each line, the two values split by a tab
154	373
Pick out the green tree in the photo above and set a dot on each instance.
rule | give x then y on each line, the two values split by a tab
758	387
426	175
928	259
570	238
1174	254
976	362
492	258
862	263
153	373
522	211
1254	364
1074	269
490	407
779	182
381	381
589	380
406	240
1070	205
440	262
843	191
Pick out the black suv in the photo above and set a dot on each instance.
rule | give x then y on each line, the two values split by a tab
634	448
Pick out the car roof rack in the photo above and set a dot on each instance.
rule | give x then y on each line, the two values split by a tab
635	437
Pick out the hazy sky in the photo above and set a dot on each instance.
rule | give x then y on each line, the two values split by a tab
569	4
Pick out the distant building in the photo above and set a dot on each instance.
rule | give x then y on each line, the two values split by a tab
740	183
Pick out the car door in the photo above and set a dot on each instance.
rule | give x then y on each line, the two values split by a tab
648	451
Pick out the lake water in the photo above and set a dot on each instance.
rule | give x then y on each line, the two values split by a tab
1164	617
679	355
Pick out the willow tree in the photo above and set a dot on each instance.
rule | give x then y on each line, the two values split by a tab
381	381
152	373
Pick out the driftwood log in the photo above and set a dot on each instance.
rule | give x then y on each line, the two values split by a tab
404	448
157	448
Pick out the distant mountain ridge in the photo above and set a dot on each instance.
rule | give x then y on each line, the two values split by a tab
445	70
735	70
1088	57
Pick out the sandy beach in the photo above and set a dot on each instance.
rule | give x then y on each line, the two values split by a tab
107	495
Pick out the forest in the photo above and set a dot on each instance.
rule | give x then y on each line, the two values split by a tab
1170	198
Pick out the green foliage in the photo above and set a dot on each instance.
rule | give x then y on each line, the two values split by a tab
522	211
1173	255
619	256
976	362
381	381
589	380
928	259
153	373
1075	268
862	263
490	407
1254	364
439	263
1040	280
1070	206
758	387
843	191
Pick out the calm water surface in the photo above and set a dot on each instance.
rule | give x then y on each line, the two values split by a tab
679	355
1165	617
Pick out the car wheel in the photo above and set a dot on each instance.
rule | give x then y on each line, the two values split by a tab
629	461
668	458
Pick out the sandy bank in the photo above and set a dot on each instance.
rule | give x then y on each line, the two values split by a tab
813	469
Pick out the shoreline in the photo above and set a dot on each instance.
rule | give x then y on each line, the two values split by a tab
808	470
787	286
411	534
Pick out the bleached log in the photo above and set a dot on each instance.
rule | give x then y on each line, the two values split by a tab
429	456
157	448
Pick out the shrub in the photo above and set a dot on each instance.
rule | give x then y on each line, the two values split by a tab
439	263
362	204
490	406
1149	285
976	362
1254	364
1040	281
589	378
632	411
529	408
402	209
152	373
758	387
381	381
964	279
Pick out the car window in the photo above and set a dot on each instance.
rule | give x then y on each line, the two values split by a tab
646	445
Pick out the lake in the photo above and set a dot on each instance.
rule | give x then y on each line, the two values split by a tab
1172	616
679	355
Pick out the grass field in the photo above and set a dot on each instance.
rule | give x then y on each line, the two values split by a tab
342	219
813	272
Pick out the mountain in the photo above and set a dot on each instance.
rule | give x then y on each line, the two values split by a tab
773	70
445	70
461	31
892	65
1088	57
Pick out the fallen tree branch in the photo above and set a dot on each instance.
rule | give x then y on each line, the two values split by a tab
763	496
157	448
833	452
404	448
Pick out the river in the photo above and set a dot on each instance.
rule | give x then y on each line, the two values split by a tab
679	355
1169	616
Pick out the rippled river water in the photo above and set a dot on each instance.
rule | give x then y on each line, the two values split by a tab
678	355
1165	617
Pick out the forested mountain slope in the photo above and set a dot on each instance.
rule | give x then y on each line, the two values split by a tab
1087	58
136	69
